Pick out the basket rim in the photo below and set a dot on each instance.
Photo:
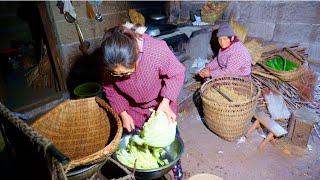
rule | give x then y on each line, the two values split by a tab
299	63
248	100
102	154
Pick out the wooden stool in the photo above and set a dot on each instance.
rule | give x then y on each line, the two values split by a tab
275	129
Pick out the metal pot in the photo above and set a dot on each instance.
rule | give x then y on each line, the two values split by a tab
174	152
84	172
157	19
153	31
161	29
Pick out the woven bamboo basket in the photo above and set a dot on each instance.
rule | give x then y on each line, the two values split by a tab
210	17
230	120
87	130
286	75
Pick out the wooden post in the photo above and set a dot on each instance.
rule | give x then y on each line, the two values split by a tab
52	40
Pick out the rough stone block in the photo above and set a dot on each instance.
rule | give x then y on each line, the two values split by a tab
314	51
286	44
262	12
314	36
70	53
112	20
232	10
299	12
260	30
67	32
90	28
187	6
292	32
81	9
106	8
112	7
55	11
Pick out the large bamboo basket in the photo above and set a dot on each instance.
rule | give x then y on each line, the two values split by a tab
286	75
87	130
230	120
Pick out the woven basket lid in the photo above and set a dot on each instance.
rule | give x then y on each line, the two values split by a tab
78	128
205	177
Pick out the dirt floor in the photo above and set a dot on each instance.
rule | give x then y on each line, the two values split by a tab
205	152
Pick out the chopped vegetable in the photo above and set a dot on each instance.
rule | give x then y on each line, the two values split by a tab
281	64
159	131
145	157
147	149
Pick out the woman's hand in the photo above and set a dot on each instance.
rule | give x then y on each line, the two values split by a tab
127	121
204	73
165	107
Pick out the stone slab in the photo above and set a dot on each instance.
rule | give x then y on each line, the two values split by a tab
90	28
260	12
289	32
260	30
299	12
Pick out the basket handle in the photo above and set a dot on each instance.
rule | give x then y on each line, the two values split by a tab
54	152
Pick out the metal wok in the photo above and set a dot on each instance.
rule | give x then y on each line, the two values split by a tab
174	152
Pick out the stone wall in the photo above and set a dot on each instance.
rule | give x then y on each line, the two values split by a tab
113	12
284	23
180	10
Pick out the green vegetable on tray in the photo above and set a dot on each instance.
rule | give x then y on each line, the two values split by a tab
146	149
281	64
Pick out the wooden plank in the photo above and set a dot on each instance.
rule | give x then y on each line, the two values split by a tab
270	124
52	40
275	103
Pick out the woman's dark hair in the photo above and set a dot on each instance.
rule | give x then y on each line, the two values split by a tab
119	47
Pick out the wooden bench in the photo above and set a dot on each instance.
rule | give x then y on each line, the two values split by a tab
275	130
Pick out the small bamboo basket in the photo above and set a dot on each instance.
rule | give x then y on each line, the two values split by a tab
87	130
230	120
286	75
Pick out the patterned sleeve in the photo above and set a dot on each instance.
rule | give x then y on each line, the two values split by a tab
213	64
236	64
172	73
116	100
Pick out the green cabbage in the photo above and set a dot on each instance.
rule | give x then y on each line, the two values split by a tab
147	148
145	157
158	131
280	63
133	152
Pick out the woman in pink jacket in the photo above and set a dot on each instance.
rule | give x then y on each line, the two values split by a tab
233	58
140	73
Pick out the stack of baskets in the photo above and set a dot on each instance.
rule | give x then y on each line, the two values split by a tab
87	131
230	120
286	75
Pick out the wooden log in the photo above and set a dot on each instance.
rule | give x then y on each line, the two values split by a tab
270	124
52	41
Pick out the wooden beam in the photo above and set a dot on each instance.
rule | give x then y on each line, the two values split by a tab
52	41
270	124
